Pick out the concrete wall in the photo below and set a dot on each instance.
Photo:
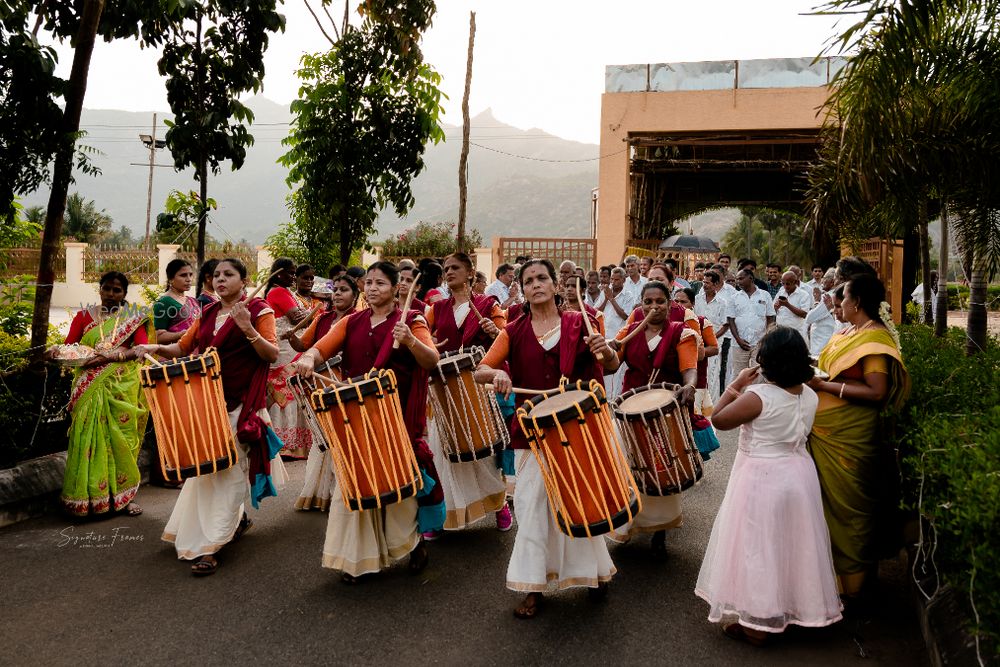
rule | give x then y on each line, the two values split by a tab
74	293
684	111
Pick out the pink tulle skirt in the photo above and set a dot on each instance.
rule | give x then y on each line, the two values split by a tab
768	562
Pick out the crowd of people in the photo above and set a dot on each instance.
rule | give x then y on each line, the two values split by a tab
802	365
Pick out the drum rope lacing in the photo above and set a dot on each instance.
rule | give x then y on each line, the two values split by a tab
554	477
347	467
217	417
451	417
656	432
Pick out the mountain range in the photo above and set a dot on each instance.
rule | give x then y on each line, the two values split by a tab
521	182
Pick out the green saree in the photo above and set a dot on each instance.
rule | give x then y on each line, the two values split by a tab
853	461
109	419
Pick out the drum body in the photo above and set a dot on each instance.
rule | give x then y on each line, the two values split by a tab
658	438
466	414
193	433
369	446
303	388
590	488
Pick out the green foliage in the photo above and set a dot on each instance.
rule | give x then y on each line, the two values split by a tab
32	419
949	436
83	221
428	239
958	297
216	54
180	215
365	112
775	236
15	319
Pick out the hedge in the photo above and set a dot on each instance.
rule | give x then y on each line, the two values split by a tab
949	439
958	297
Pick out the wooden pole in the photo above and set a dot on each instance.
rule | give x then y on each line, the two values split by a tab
463	159
149	187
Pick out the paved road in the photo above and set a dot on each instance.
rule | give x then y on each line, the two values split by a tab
112	593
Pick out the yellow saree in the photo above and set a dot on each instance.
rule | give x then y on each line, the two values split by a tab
851	457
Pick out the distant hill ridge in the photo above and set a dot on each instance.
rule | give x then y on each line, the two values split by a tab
507	195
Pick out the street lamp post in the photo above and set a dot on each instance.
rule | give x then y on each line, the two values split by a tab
152	143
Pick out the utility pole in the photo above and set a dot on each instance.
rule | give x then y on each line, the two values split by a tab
150	141
463	158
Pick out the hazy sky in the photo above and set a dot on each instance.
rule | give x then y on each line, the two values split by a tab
538	63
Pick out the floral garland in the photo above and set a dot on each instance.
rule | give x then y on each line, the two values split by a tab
885	314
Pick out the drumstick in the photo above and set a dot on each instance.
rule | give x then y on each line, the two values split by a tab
475	311
441	343
518	390
264	284
583	311
152	359
305	320
406	306
326	380
632	334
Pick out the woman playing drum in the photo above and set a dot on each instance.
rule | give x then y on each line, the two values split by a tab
109	412
210	509
472	489
541	347
364	541
315	493
667	351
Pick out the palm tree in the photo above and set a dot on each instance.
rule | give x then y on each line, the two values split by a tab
914	124
83	221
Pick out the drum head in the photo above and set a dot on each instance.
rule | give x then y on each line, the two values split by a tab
649	400
453	363
562	407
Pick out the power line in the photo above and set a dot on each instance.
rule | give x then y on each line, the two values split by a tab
539	159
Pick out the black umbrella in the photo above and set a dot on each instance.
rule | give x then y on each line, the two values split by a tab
690	243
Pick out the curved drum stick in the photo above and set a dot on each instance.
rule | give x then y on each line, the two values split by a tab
409	300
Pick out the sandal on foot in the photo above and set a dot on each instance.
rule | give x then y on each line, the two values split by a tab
204	566
133	510
530	606
246	523
349	579
739	633
598	594
419	558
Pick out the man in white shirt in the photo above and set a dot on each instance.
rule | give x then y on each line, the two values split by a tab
727	292
710	304
633	280
751	312
616	303
792	304
815	283
504	288
820	320
594	294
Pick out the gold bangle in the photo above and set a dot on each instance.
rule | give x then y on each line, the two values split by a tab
842	385
254	339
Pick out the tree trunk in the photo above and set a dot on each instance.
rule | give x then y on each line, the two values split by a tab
346	242
976	324
62	172
941	321
910	263
925	258
203	215
201	170
463	159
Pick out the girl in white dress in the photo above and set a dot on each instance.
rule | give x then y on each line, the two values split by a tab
768	562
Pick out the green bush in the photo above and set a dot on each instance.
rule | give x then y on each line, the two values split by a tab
958	297
427	239
949	438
